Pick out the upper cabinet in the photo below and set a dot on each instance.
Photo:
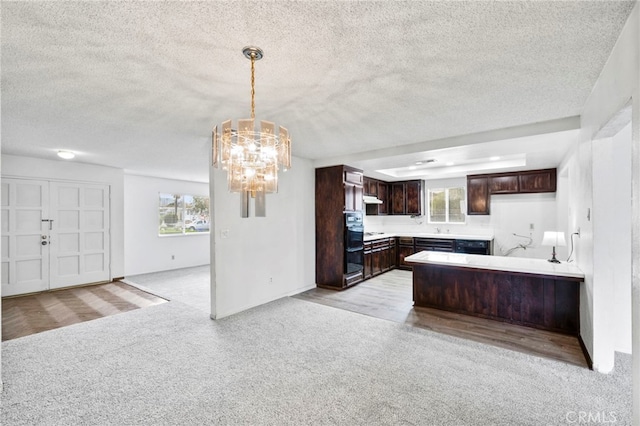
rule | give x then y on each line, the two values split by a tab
406	198
480	187
504	184
383	195
353	181
398	198
538	181
477	195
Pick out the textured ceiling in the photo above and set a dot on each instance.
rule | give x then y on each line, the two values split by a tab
139	85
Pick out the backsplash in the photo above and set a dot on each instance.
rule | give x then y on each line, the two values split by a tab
509	224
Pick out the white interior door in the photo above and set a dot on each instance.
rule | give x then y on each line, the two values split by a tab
79	243
54	234
25	260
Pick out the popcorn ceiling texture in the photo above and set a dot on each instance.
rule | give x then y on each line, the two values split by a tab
139	85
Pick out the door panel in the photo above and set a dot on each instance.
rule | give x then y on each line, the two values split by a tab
80	234
25	261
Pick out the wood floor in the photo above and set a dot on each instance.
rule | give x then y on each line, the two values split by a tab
35	313
389	296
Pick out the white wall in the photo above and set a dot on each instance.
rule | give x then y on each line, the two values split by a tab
35	168
510	214
145	250
263	259
618	82
612	231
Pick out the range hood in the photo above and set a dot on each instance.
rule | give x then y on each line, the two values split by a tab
369	199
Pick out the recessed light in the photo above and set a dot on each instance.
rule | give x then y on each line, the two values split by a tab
495	158
412	167
450	163
67	155
418	162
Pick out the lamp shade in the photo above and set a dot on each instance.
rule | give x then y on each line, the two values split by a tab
553	238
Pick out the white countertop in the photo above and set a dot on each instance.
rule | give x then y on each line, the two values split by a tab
428	235
497	263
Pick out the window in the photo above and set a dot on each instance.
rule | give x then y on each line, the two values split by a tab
446	205
182	214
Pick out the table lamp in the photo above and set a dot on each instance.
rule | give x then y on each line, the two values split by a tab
553	239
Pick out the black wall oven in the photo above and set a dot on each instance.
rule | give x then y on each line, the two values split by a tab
354	242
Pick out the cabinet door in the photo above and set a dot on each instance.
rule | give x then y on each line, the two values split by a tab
392	256
506	184
353	177
349	197
353	197
477	195
404	251
376	261
373	188
383	195
358	203
413	197
368	271
397	198
538	181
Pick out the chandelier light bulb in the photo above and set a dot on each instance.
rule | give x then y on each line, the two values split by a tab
251	152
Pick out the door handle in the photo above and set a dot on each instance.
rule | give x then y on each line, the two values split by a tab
44	243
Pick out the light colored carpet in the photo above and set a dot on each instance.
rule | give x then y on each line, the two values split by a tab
290	362
190	286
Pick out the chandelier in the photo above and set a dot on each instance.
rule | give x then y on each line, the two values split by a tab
251	156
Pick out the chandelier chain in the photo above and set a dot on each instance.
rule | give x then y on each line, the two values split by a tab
253	86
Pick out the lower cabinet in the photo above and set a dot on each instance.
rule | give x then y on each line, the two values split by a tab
405	248
368	271
379	256
545	302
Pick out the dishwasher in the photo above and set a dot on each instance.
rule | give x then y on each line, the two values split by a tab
473	247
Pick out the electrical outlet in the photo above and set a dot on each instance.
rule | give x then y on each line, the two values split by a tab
578	232
270	280
173	257
531	227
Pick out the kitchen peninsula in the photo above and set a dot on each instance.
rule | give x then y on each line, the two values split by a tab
529	292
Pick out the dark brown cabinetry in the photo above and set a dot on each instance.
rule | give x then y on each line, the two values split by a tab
544	302
480	187
405	248
339	189
353	181
379	256
398	198
477	195
383	195
503	184
406	198
378	189
434	244
538	181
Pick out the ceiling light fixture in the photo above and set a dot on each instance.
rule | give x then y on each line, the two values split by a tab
495	158
450	163
67	155
250	156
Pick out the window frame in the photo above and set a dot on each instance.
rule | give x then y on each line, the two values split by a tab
182	210
446	200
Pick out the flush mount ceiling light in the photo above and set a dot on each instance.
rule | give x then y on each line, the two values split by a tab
251	156
67	155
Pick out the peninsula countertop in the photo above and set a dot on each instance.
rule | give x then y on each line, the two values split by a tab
496	263
370	236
